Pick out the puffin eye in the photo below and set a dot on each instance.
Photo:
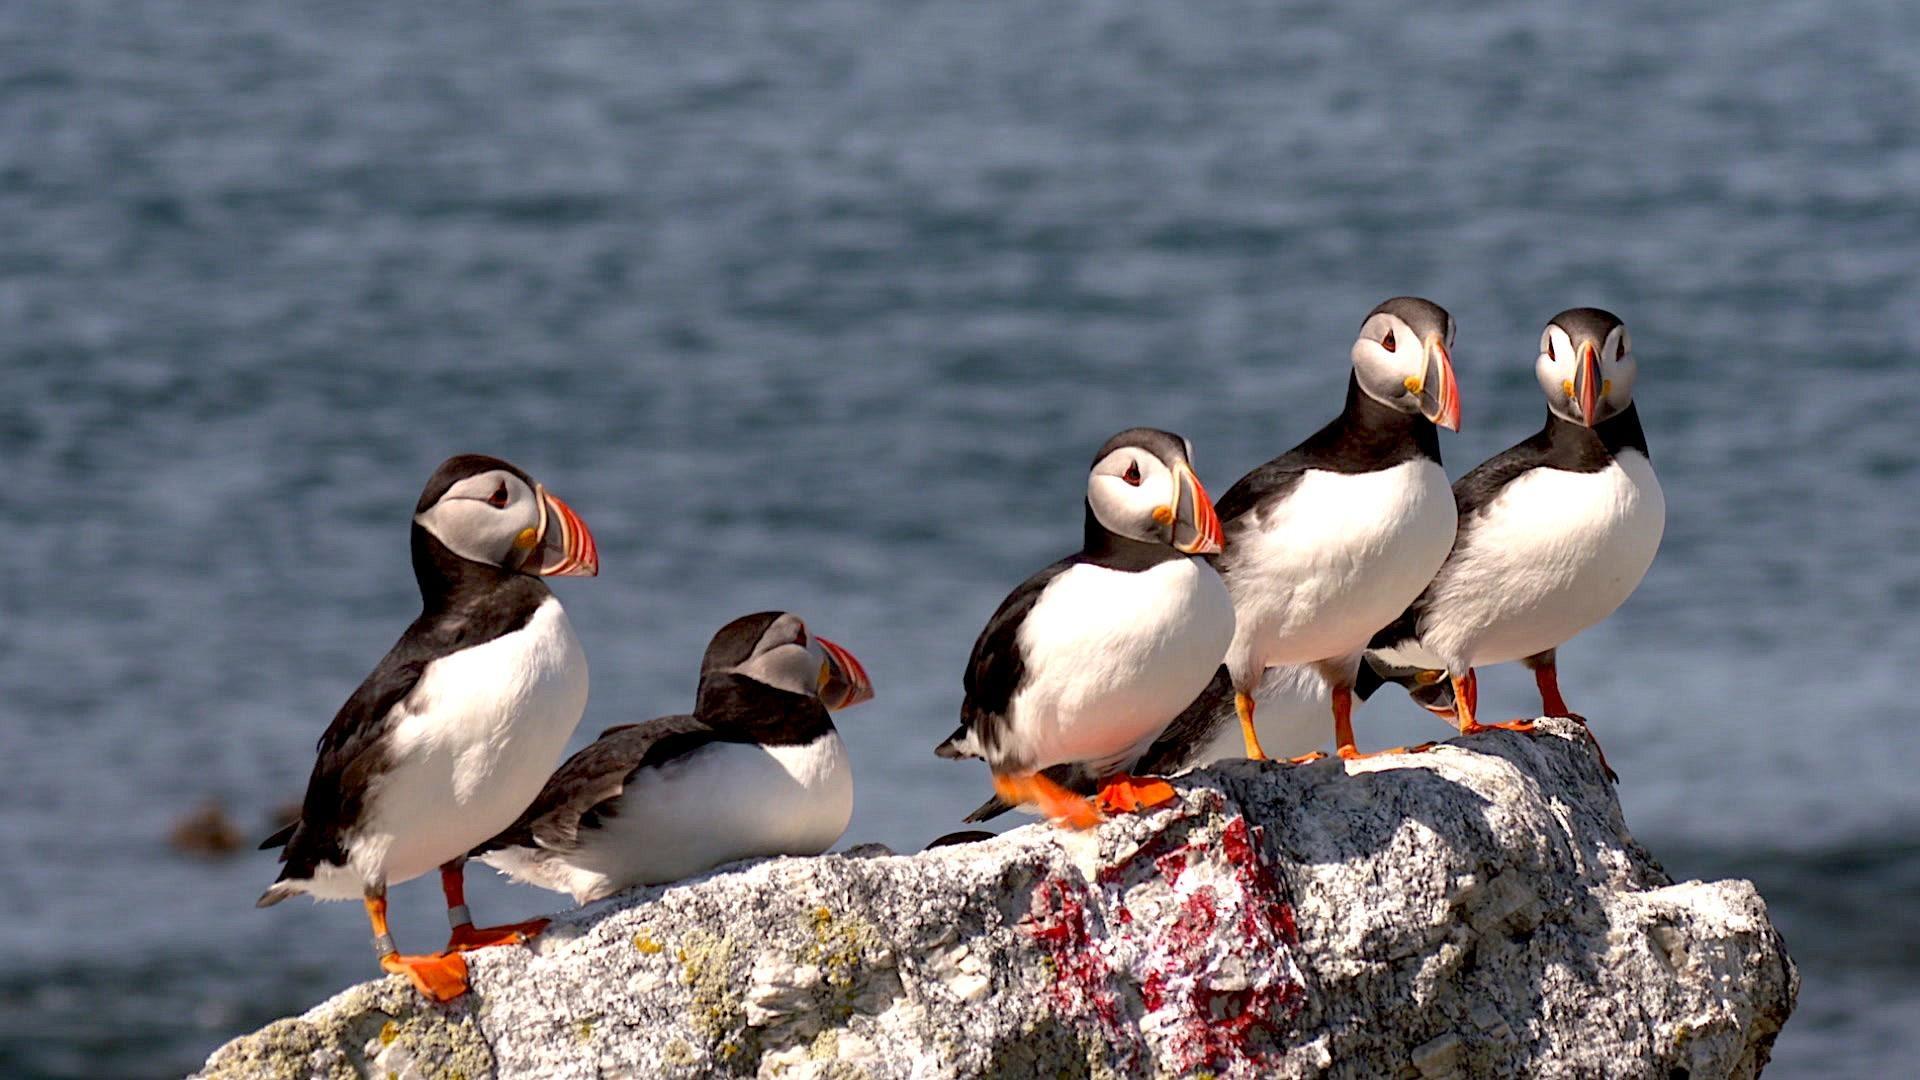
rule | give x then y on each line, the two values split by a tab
1387	342
498	500
1132	475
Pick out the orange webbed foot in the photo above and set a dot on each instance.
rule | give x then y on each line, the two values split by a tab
1060	806
1523	727
1354	753
439	977
1308	759
1128	794
467	937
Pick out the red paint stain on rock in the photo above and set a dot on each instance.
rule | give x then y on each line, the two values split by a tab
1197	965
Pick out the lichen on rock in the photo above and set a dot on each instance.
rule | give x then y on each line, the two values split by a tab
1479	910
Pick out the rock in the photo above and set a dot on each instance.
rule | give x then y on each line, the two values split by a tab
206	830
1476	911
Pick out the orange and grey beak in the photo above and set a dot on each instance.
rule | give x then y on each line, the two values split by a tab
564	547
1439	391
1586	383
1196	527
843	682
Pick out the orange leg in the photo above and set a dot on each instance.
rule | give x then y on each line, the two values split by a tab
1126	794
1243	705
1060	806
1546	676
1343	730
1466	701
440	977
465	936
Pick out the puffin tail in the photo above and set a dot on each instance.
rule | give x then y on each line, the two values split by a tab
280	838
988	810
278	891
958	745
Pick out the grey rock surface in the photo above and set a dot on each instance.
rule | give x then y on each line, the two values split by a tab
1480	910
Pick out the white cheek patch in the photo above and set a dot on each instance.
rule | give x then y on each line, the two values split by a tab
473	530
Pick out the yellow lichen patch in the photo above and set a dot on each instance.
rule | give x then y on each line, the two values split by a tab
644	942
718	1008
389	1031
678	1052
843	949
583	1030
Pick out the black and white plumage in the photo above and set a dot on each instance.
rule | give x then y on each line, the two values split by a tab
757	769
1328	542
456	728
1087	660
1555	532
1292	702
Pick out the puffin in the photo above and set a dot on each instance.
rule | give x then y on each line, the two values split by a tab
1292	701
459	724
1089	659
1328	542
1555	532
756	769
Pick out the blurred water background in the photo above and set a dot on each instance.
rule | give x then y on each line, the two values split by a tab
825	306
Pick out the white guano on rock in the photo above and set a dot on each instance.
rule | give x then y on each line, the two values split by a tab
1480	910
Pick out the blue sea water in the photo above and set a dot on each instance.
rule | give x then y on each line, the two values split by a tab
825	306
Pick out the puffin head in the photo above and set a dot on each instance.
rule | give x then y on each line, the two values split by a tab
1142	486
1586	365
773	648
488	511
1401	359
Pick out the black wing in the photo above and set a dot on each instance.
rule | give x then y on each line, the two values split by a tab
996	668
583	792
351	753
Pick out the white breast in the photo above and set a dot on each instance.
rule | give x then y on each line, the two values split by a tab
1551	555
723	802
1111	658
1341	556
478	737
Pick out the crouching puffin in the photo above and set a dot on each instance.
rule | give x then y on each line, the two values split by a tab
1326	543
1555	532
758	769
461	721
1088	660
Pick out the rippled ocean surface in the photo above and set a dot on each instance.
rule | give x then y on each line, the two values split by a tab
826	306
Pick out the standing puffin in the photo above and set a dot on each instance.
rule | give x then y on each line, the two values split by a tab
1555	532
758	769
1292	701
453	733
1087	661
1326	543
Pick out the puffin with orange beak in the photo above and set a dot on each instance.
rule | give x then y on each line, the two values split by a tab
1326	543
1087	661
454	732
1555	533
757	769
